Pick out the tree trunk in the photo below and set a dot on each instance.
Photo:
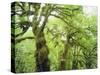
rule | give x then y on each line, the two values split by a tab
66	56
42	51
42	61
68	52
62	65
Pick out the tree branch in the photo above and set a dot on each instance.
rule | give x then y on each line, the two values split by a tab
22	7
48	12
20	34
60	18
21	39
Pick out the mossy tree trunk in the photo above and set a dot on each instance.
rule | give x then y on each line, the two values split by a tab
66	56
42	51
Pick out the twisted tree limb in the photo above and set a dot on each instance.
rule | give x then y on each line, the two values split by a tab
20	39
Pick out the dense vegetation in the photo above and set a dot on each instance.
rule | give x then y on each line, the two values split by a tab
52	37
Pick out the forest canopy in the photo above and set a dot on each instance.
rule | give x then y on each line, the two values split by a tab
53	37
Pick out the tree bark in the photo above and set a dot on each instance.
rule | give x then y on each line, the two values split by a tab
66	57
42	51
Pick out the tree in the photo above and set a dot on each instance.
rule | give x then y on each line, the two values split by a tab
62	33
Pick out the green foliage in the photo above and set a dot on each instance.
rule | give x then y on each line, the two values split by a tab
70	26
25	58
